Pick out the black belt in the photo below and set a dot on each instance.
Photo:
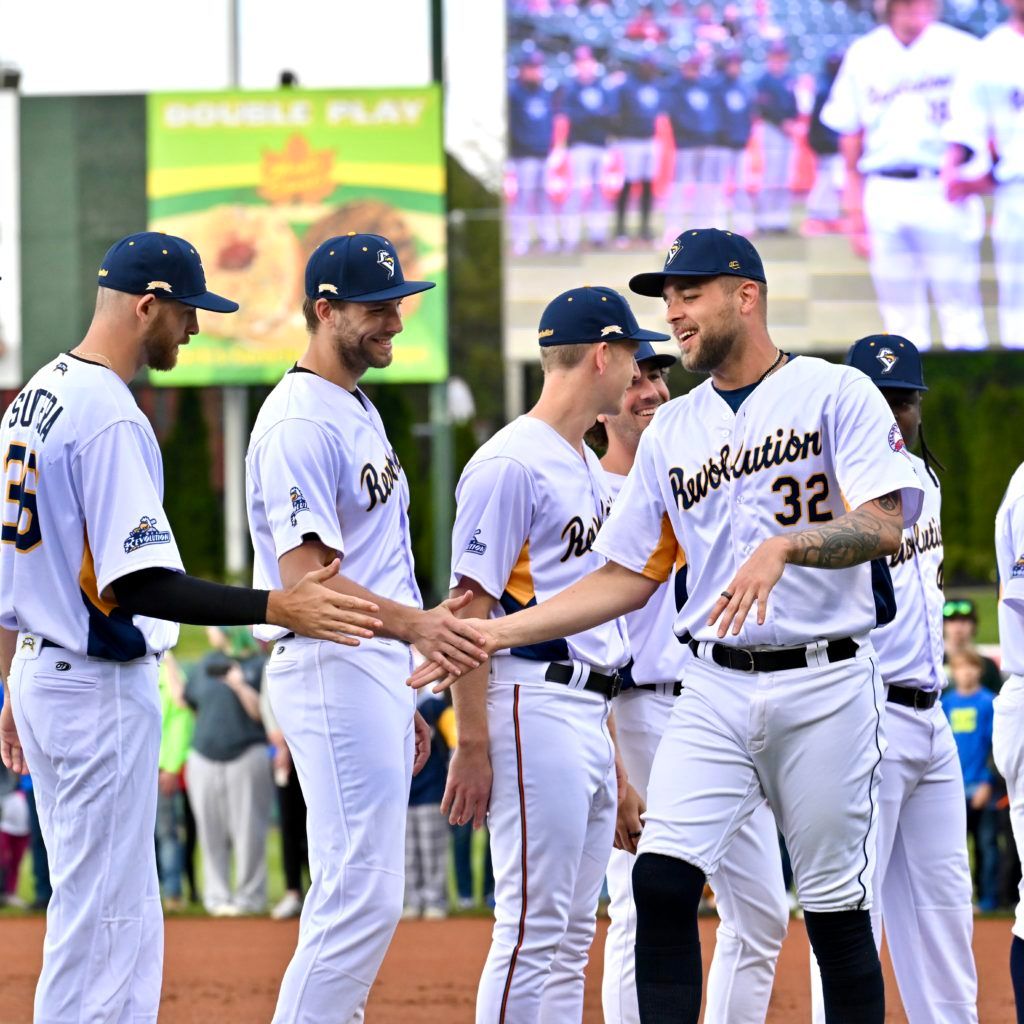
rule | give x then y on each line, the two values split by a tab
287	636
597	682
739	659
912	697
907	173
677	687
49	643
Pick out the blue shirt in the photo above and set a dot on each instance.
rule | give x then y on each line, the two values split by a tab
428	786
591	110
640	103
531	118
695	112
970	718
735	112
775	99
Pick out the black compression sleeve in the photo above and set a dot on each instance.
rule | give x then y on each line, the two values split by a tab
165	594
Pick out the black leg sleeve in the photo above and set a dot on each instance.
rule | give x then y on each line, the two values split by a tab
851	973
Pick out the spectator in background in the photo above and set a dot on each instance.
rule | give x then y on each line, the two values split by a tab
824	201
642	97
776	107
531	118
178	722
230	785
589	111
695	125
14	836
237	642
970	714
291	808
735	119
426	831
644	28
959	629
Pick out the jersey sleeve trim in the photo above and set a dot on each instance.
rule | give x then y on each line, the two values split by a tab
659	565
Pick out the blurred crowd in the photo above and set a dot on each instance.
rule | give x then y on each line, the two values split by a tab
228	792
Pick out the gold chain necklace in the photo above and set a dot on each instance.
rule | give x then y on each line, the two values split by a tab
97	357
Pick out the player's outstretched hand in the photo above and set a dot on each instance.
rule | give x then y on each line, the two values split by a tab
446	640
467	793
11	753
422	749
627	823
753	581
311	609
437	671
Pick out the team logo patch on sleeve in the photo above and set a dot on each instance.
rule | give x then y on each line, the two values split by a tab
1018	568
476	547
144	534
896	442
61	368
298	504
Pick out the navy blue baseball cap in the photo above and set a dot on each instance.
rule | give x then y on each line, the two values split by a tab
152	263
890	360
358	268
703	252
646	354
584	315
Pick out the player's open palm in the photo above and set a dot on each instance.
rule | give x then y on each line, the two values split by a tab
752	583
310	608
11	753
446	640
434	671
467	793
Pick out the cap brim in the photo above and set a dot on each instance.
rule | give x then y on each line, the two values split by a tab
642	335
400	291
209	300
661	360
899	385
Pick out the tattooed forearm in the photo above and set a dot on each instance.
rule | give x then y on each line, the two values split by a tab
873	530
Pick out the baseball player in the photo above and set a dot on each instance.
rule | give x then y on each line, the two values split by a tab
890	102
736	102
91	589
589	111
530	503
922	878
986	115
530	130
776	107
1008	727
324	482
751	897
751	487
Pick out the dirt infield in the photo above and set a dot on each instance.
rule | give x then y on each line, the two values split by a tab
226	972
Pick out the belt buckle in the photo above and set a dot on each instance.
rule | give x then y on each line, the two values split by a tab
616	685
733	651
920	699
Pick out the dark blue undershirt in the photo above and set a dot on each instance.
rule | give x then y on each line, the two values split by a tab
735	398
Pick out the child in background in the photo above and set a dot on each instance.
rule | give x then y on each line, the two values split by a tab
426	830
969	710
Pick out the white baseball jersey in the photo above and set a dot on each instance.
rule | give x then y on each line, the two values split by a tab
1010	566
82	508
810	439
910	648
899	95
987	104
658	657
529	507
320	464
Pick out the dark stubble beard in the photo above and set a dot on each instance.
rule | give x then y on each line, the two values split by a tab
356	355
716	345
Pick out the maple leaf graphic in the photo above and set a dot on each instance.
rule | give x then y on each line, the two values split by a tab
296	174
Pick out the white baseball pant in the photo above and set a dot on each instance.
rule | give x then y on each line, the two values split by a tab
922	875
1008	754
347	716
1008	242
750	893
920	243
552	824
91	736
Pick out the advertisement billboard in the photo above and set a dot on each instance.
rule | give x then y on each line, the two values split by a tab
256	180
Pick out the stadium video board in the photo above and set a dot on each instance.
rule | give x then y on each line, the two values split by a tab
630	121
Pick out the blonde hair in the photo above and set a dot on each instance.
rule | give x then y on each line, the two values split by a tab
563	357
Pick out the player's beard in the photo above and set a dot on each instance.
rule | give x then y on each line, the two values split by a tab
715	345
160	347
358	353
